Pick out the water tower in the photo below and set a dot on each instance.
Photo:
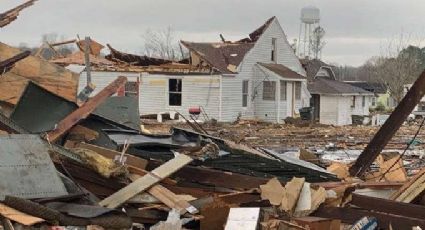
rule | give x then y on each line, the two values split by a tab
310	18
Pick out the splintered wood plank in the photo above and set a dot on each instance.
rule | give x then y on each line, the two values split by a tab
53	78
131	160
145	182
84	111
17	216
407	185
171	200
413	191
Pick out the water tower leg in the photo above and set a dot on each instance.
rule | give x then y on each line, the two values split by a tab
305	38
299	41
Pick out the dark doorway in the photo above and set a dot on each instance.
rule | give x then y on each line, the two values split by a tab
315	103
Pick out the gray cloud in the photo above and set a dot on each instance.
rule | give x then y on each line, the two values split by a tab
355	30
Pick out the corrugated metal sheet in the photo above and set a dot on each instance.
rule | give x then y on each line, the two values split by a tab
26	168
39	111
122	110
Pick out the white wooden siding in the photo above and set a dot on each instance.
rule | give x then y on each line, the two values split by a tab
328	110
261	52
276	111
197	91
102	79
359	109
344	110
337	110
202	90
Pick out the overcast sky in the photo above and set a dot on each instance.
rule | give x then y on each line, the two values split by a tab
355	29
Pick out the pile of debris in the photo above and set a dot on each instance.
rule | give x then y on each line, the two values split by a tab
91	165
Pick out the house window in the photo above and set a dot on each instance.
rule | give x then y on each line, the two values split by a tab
363	101
131	89
283	90
353	101
245	84
274	50
175	92
269	90
373	101
421	106
298	90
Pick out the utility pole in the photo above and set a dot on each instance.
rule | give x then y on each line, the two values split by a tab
83	96
87	59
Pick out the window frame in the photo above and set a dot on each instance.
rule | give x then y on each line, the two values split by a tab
353	102
283	93
179	92
245	93
297	89
272	91
131	89
273	53
364	101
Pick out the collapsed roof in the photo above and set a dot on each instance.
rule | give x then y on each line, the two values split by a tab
255	35
54	78
226	56
78	59
133	59
7	65
11	15
222	56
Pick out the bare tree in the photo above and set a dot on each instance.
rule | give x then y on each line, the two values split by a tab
317	43
162	44
396	67
49	52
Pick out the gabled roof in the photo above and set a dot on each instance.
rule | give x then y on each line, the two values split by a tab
313	66
220	55
328	86
373	87
282	71
133	59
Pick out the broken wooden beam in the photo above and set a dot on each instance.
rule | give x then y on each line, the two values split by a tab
388	206
145	182
411	189
171	200
11	15
63	42
84	111
390	127
8	64
130	160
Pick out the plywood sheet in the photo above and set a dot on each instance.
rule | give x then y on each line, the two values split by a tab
54	78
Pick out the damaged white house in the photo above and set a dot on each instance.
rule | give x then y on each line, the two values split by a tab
255	77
